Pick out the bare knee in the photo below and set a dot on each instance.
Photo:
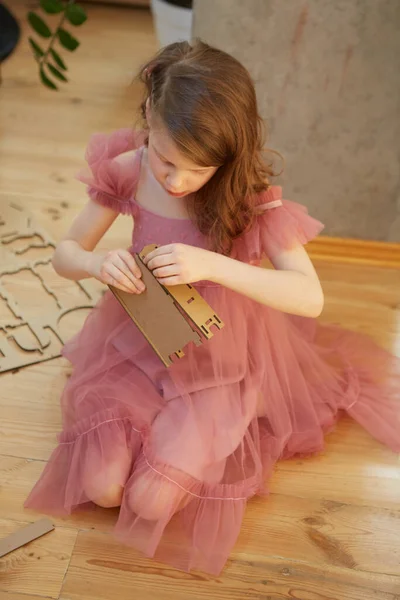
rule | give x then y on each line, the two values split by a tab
105	487
108	498
153	499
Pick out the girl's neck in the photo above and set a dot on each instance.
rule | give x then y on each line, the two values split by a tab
152	196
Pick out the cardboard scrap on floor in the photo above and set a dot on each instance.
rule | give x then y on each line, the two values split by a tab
24	339
24	536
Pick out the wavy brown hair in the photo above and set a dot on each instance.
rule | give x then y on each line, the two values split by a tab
207	101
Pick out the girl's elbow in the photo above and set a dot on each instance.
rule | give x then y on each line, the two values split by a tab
317	304
54	260
57	260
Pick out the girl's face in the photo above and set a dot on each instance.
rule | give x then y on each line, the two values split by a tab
175	173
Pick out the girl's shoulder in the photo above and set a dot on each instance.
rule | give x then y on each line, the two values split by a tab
279	225
268	199
113	168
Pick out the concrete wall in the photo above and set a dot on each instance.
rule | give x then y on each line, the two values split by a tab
328	81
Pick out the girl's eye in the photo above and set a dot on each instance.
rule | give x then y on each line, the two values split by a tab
163	160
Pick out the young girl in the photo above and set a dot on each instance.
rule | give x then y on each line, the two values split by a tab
182	449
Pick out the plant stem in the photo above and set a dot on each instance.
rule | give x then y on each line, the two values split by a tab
55	35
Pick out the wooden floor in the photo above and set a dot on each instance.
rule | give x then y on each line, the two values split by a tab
331	527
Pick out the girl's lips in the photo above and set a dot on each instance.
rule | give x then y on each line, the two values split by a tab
176	195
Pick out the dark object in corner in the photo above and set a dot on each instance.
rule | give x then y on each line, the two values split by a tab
9	32
180	3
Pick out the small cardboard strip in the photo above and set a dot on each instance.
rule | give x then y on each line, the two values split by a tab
24	536
157	312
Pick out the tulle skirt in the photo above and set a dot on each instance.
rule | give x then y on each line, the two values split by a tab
189	445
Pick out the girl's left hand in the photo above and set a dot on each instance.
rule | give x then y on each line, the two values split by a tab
178	263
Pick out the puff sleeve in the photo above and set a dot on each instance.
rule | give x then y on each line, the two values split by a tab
110	182
279	226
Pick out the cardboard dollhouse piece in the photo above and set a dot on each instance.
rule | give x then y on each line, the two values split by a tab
24	536
26	339
169	318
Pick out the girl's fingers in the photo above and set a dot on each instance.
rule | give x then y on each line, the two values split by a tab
170	281
168	271
118	279
119	286
125	269
159	252
131	264
121	266
163	260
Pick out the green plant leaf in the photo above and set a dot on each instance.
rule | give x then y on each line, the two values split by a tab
46	81
57	73
75	14
39	25
52	7
67	40
58	60
38	52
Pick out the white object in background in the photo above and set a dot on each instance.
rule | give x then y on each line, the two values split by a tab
173	23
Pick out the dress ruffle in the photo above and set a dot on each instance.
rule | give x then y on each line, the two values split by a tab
281	227
112	183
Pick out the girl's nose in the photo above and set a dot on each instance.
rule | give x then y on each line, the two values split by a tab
174	181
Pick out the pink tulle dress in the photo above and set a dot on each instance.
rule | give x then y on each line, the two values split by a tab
191	444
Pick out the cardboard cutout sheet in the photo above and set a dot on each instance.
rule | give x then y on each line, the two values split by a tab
27	339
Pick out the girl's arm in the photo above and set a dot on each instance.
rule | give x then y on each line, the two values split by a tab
293	287
74	257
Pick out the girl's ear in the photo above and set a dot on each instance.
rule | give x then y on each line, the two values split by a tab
148	111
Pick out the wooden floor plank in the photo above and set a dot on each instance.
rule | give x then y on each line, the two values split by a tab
101	569
323	532
34	435
351	251
12	596
359	491
40	566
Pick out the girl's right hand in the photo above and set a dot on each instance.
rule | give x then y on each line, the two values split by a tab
119	269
